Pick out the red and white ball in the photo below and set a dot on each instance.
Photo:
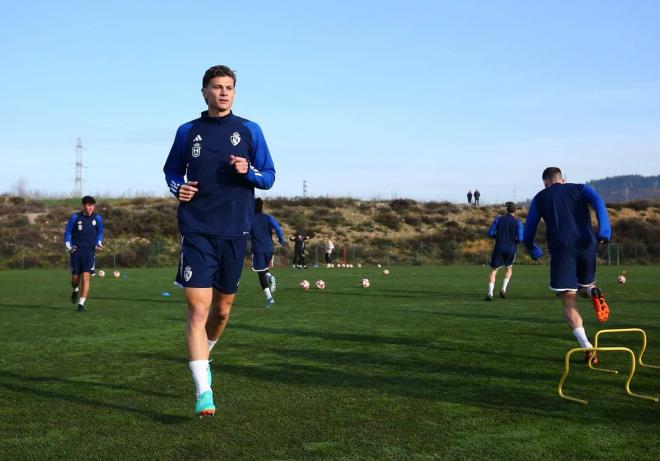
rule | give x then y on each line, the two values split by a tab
304	285
101	273
116	274
365	283
386	272
621	279
320	284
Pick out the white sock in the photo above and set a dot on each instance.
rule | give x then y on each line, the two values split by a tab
200	374
491	287
212	343
81	301
505	283
581	336
267	293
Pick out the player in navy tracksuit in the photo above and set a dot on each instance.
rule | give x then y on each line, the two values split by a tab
572	243
83	235
262	248
223	157
507	231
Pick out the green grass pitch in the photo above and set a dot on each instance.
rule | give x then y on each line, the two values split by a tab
416	367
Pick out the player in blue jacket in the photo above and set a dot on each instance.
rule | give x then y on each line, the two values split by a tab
564	208
507	231
262	248
223	157
83	236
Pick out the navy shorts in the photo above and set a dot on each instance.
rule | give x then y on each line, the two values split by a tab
207	261
571	269
82	262
261	261
499	259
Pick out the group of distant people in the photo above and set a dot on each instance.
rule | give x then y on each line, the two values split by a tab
476	196
215	163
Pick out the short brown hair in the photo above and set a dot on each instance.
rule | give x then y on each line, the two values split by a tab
510	207
217	71
550	173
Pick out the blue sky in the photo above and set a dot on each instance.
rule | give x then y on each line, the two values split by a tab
418	99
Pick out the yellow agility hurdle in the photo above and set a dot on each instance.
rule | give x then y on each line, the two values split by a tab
641	352
600	349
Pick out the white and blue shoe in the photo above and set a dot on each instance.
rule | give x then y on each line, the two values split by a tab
269	303
204	405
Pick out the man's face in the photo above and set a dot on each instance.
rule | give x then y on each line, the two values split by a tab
219	94
88	208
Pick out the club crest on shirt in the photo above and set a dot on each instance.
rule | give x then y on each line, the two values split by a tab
79	225
187	273
93	222
196	150
235	138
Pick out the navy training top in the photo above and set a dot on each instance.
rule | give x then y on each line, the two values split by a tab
565	210
224	203
84	232
507	231
262	233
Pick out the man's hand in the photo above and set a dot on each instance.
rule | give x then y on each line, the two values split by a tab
536	253
187	191
73	249
240	164
99	247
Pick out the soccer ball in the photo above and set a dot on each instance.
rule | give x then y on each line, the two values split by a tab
101	273
359	265
379	266
304	285
386	272
621	278
320	284
116	274
365	283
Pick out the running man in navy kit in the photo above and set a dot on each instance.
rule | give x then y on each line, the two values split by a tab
83	236
507	231
262	248
223	157
572	243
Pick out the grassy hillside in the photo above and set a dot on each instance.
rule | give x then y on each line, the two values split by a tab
142	232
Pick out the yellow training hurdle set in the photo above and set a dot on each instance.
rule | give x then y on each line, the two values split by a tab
606	370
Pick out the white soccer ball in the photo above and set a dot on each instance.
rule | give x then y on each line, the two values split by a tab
365	283
320	284
386	272
359	265
621	278
101	273
116	274
304	285
379	266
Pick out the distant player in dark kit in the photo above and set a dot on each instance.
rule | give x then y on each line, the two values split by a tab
469	197
223	157
299	250
477	194
262	248
507	231
83	236
573	245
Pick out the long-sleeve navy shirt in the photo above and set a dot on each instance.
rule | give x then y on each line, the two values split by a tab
224	203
